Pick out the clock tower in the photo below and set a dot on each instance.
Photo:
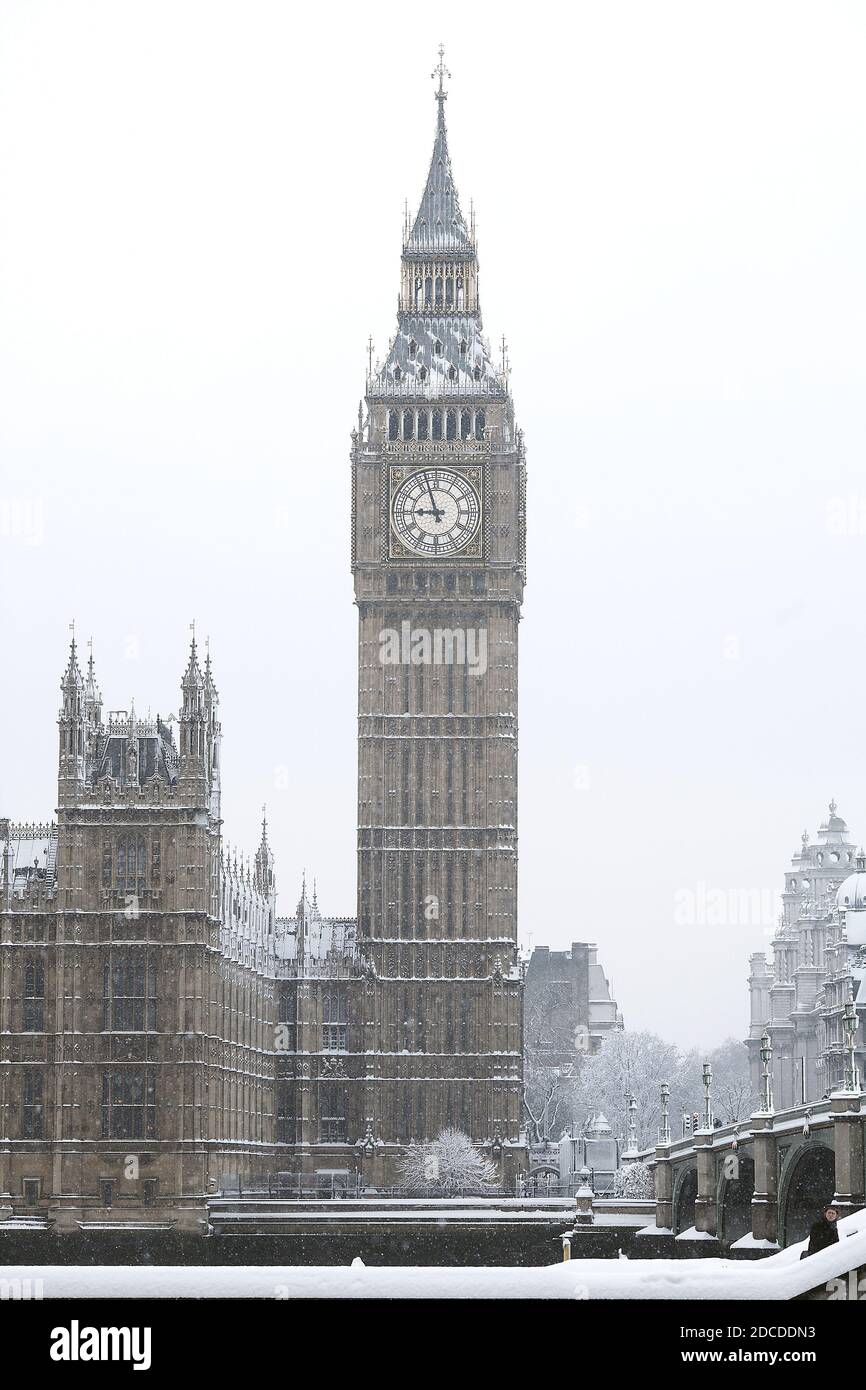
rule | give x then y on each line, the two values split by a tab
438	557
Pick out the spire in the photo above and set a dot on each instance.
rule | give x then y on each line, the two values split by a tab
210	691
72	678
439	224
192	679
441	95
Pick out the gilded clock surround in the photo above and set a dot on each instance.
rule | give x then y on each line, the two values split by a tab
397	474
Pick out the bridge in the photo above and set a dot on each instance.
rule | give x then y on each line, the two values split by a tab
759	1185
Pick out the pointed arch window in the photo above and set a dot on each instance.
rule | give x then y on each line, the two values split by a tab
437	423
397	374
438	290
422	374
423	424
480	424
34	995
449	291
463	346
465	424
451	424
437	347
393	424
413	349
452	373
408	424
459	291
428	292
477	373
419	288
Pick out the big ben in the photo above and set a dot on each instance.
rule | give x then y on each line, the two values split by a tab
438	557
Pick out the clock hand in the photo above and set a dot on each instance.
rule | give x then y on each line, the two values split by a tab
436	511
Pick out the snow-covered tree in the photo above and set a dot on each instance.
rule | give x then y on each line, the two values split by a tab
635	1181
629	1064
449	1164
732	1087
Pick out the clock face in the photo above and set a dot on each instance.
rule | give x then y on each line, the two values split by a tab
435	512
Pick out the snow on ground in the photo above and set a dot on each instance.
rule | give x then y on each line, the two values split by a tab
781	1276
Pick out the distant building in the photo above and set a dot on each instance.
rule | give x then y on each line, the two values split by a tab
568	1007
818	964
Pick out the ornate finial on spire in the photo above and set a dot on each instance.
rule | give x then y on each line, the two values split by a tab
441	72
833	807
805	837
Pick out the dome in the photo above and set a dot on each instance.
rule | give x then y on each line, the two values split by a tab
851	893
599	1125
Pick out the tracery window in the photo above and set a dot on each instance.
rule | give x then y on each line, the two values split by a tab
34	995
129	992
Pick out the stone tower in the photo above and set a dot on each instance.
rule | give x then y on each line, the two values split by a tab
438	556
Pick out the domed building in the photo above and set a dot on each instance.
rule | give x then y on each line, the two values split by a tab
819	955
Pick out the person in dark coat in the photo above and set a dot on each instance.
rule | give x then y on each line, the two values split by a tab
822	1232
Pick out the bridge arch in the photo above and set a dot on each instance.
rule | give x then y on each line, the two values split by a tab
807	1185
684	1194
734	1196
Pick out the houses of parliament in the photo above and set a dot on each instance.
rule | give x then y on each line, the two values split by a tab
165	1033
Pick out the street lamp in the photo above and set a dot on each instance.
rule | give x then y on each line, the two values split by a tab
849	1023
766	1079
665	1131
708	1104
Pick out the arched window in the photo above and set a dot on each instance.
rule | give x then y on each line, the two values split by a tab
34	996
422	374
408	424
423	423
465	424
477	373
437	423
413	348
438	289
437	348
428	292
463	346
393	428
397	374
459	291
419	288
479	424
451	424
452	373
449	290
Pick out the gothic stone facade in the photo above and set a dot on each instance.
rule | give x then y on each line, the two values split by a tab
146	985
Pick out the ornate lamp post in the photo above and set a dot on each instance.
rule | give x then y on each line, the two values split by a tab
849	1023
631	1135
766	1078
708	1103
665	1131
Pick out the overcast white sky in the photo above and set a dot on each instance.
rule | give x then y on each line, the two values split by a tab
200	217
